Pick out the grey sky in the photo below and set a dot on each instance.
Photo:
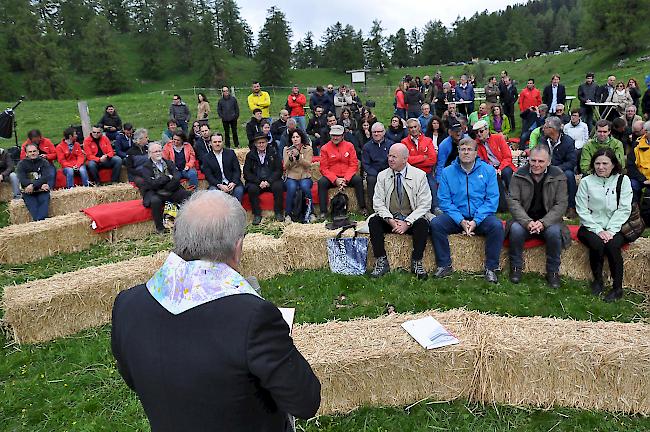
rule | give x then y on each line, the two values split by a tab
317	15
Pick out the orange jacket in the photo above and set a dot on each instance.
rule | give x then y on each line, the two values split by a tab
529	98
90	148
501	150
67	158
338	161
297	107
424	155
190	157
45	147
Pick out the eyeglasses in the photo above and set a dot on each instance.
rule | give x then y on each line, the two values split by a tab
96	132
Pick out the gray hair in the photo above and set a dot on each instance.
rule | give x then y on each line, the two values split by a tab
153	144
542	147
284	111
376	126
208	226
555	123
543	107
139	134
646	126
291	122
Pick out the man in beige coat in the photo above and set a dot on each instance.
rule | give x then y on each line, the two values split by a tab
402	201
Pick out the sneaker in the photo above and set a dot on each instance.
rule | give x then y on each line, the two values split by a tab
279	217
418	269
515	274
571	213
597	288
381	267
287	219
553	280
257	220
491	276
614	295
443	271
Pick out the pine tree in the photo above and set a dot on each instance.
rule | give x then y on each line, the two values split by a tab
401	54
102	59
233	33
274	49
117	14
435	44
415	45
376	55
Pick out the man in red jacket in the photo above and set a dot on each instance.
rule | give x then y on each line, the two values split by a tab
71	158
423	155
495	151
100	154
296	102
339	164
529	99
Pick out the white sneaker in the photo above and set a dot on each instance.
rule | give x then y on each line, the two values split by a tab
287	219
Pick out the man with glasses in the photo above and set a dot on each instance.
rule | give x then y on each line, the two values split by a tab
228	110
422	155
180	112
468	195
563	116
374	157
100	154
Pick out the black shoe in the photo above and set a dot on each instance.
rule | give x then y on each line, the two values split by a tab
515	274
279	217
418	269
614	295
381	267
553	280
257	220
491	276
597	287
443	271
364	212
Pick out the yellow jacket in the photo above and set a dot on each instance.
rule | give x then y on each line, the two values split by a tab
642	156
261	101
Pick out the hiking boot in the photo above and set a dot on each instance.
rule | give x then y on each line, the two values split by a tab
381	267
491	276
443	271
614	295
571	213
553	280
418	269
597	287
515	274
257	219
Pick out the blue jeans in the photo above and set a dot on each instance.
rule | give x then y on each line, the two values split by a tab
572	187
491	227
69	176
38	204
552	235
300	121
292	185
15	184
192	176
401	113
433	185
115	163
506	176
237	192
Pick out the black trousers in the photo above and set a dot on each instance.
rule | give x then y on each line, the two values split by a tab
324	185
379	227
598	250
509	111
227	126
157	204
371	182
276	188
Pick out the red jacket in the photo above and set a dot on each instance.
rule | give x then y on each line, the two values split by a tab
190	157
529	98
297	107
338	161
501	150
424	155
45	147
90	148
67	158
399	100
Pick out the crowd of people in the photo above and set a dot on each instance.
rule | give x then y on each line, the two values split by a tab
435	138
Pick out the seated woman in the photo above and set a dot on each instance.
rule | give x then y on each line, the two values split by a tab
602	213
347	120
396	131
297	165
499	123
35	173
179	151
362	136
436	131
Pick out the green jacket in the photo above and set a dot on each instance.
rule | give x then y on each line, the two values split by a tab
596	203
593	145
535	135
505	125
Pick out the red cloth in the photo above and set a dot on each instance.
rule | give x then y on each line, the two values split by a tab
114	215
90	148
535	241
338	161
105	176
297	107
45	147
422	156
501	150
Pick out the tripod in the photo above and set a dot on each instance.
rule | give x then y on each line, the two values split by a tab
9	126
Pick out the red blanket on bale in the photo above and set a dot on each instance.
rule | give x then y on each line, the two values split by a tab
266	199
109	216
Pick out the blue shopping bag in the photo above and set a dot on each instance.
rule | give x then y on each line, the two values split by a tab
347	255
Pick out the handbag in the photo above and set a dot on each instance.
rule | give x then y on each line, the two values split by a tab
634	226
347	256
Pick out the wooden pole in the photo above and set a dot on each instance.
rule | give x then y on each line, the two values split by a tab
84	115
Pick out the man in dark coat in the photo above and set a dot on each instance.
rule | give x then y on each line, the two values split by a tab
563	156
263	173
228	110
221	168
508	97
199	345
554	94
161	182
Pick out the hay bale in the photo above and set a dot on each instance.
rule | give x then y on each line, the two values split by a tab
137	230
263	256
62	201
315	171
34	240
353	205
67	303
18	212
6	194
116	193
241	154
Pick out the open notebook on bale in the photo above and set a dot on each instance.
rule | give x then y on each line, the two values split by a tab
429	333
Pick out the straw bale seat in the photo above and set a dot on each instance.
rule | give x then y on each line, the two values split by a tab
6	194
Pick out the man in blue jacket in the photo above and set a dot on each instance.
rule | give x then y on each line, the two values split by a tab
374	156
468	195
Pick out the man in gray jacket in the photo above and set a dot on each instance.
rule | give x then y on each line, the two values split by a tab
228	110
537	200
402	201
179	111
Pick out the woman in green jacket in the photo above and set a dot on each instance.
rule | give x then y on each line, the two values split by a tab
602	214
499	123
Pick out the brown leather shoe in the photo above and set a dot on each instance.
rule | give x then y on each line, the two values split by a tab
571	213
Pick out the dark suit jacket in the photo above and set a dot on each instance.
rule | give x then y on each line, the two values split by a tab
227	365
564	154
547	96
201	148
231	169
252	163
151	186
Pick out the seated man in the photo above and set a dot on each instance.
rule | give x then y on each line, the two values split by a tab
161	182
638	164
422	155
169	132
35	173
198	344
481	114
339	166
402	201
110	122
263	173
603	138
221	169
71	158
124	140
537	201
137	155
279	126
7	173
100	154
179	151
468	195
202	145
46	150
563	156
559	113
374	156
